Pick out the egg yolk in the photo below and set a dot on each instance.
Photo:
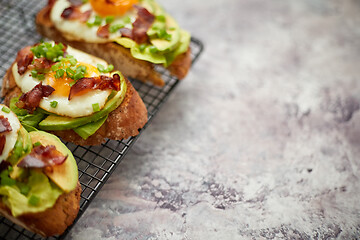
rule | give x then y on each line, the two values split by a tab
62	84
112	7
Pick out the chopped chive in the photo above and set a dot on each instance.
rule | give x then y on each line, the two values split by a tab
34	200
73	61
127	19
41	77
89	24
5	109
59	73
115	27
53	104
10	168
109	19
70	73
72	83
24	189
172	28
153	49
37	144
168	37
7	181
161	18
100	67
110	68
34	73
55	66
78	75
96	107
142	47
97	21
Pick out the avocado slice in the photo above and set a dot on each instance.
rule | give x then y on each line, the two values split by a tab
22	147
89	129
65	176
173	29
55	123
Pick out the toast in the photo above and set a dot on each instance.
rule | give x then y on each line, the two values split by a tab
115	53
39	186
52	221
123	122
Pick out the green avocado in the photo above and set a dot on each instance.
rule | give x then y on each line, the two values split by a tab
22	146
65	175
55	123
173	29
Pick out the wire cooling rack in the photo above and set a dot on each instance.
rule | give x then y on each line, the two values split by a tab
95	163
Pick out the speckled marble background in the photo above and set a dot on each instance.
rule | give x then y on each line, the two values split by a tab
260	141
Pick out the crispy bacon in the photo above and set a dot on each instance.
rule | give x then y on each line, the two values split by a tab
31	100
126	32
2	143
76	3
74	13
4	125
23	61
103	31
41	65
102	82
42	157
142	23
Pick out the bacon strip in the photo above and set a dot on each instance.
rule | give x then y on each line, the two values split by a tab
142	23
41	157
2	143
103	31
74	13
76	3
4	125
23	61
126	32
102	82
41	65
31	100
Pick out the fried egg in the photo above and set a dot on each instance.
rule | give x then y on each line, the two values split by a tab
80	31
11	137
78	106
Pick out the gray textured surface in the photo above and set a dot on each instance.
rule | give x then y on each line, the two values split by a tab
260	141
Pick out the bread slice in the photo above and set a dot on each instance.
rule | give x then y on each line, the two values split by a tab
116	54
52	221
122	123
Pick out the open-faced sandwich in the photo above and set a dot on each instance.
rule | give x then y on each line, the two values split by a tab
76	96
39	186
134	35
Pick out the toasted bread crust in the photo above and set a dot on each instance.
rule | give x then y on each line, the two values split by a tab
115	54
123	122
52	221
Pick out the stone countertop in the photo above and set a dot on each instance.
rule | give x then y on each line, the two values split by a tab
260	141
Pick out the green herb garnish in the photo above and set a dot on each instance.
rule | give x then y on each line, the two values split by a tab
53	104
5	109
102	69
34	200
109	19
37	144
96	107
115	27
153	49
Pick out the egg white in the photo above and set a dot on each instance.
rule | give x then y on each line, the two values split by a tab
78	106
79	31
11	137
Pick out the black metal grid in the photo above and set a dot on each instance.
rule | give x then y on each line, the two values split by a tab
95	163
